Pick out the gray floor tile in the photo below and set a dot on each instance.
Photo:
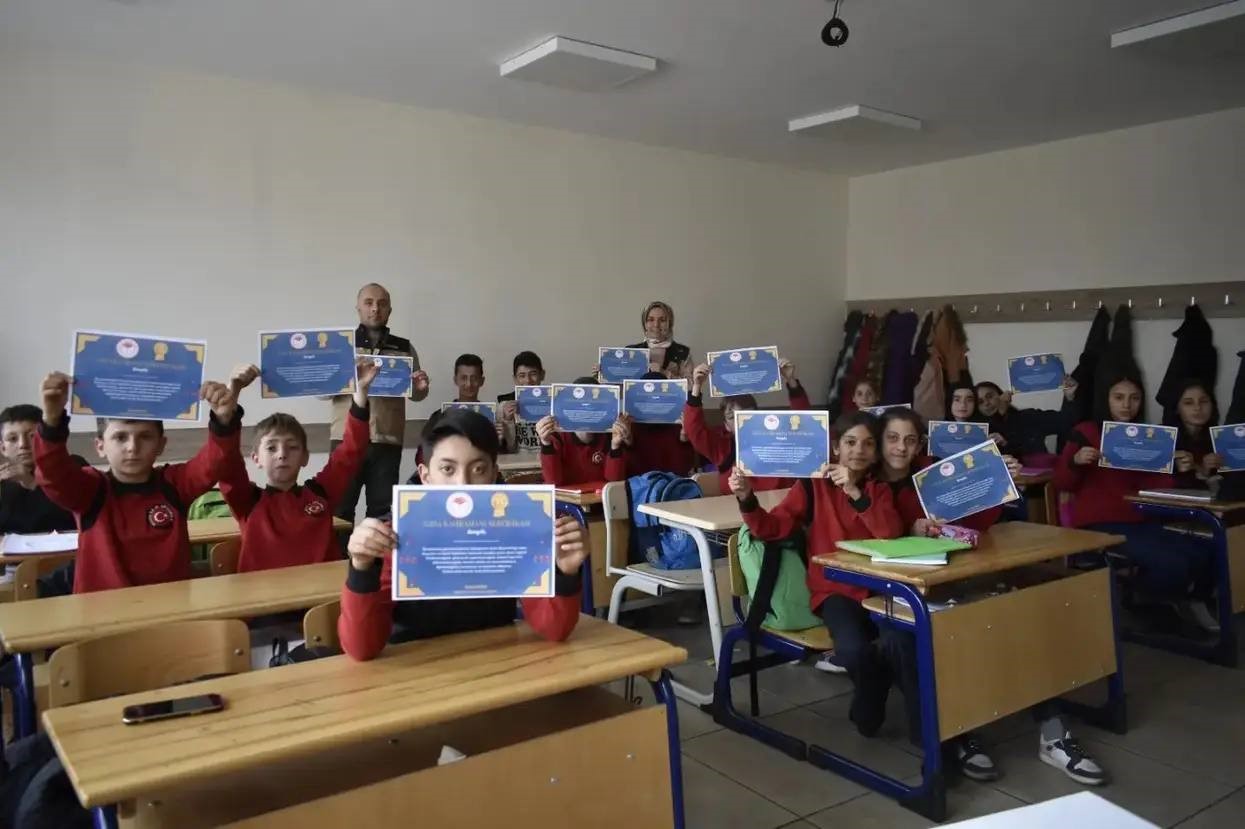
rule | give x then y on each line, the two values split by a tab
1228	813
692	721
1155	791
840	736
712	801
800	824
873	811
700	676
793	784
894	731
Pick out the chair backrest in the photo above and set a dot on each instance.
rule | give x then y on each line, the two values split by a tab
710	483
224	557
320	625
617	525
26	580
140	660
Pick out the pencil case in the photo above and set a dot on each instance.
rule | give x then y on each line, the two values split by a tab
964	534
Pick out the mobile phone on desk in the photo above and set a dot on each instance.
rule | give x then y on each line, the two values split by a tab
172	708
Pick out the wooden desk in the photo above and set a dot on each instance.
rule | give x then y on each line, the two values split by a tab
579	499
512	462
277	721
1040	509
717	514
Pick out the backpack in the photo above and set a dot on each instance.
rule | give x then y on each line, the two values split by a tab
778	567
210	504
663	547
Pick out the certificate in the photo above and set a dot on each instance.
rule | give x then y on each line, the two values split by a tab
618	364
394	377
489	410
1035	372
782	444
310	362
473	541
947	437
136	377
532	403
1141	447
654	401
744	371
965	483
1229	443
585	408
878	411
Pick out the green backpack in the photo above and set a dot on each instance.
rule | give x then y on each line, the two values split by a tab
789	601
210	504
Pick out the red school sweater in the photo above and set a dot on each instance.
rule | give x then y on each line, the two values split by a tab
567	462
131	534
718	445
1097	492
295	526
830	518
658	448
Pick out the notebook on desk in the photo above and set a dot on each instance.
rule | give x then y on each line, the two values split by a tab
1201	496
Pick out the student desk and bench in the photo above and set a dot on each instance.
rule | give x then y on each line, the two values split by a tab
335	742
977	661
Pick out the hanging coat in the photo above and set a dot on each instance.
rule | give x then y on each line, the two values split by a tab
1232	484
1194	358
851	333
878	351
1122	335
920	347
860	362
897	379
1095	346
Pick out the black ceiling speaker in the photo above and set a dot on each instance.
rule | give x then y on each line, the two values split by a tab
835	32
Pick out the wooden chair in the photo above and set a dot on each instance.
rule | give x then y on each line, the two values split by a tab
26	580
709	482
223	557
320	626
141	660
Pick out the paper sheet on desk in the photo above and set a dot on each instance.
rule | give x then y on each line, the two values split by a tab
15	544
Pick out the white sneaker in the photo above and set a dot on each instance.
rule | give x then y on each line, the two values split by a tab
973	761
1201	616
449	754
827	664
1068	756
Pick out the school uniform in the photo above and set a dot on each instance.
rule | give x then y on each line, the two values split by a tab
718	445
657	447
131	534
1025	430
370	617
283	528
566	461
1169	563
26	511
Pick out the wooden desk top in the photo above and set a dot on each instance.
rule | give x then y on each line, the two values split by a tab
719	513
56	621
1218	508
314	707
581	499
519	462
1005	547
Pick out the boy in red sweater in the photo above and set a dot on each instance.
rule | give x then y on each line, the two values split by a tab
659	447
285	524
132	518
717	444
573	458
461	450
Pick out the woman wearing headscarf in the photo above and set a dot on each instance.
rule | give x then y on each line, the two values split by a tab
671	358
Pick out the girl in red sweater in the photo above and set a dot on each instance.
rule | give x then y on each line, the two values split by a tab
1173	568
848	504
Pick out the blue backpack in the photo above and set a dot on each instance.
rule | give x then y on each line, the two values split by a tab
663	547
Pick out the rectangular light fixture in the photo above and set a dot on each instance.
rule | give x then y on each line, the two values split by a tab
1179	23
855	113
575	64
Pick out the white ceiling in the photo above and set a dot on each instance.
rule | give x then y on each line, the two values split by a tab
981	74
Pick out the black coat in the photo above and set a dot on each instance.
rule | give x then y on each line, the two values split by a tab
1194	358
1095	346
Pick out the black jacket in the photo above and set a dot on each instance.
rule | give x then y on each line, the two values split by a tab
1194	358
1026	430
676	353
1095	346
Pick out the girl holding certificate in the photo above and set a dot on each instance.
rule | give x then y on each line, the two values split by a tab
1174	569
1196	412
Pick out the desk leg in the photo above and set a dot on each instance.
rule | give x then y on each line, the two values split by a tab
1225	650
104	817
1113	714
710	586
24	696
585	570
664	692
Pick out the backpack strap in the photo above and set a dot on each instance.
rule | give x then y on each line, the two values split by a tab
759	601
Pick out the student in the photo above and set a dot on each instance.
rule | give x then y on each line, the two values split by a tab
1173	568
132	518
468	379
865	396
24	507
461	451
850	503
1023	432
1196	411
573	458
519	435
659	447
902	438
962	404
284	524
717	444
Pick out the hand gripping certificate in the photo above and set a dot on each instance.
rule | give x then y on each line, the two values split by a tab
782	444
965	483
308	362
1141	447
744	371
586	408
1229	443
619	364
654	401
473	541
136	377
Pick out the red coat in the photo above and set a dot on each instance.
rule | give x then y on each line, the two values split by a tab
1097	492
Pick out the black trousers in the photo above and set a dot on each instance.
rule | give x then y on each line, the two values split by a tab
377	478
857	648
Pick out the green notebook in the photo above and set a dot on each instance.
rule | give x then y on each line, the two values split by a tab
912	545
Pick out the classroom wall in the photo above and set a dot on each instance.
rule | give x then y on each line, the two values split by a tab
142	200
1156	204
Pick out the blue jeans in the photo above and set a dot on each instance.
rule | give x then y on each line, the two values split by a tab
1172	566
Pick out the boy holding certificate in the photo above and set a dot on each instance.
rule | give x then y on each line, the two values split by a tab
520	435
461	450
573	458
659	447
1174	568
283	523
132	518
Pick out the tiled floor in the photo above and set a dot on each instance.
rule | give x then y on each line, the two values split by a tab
1182	762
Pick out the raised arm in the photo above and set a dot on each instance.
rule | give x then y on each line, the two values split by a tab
68	485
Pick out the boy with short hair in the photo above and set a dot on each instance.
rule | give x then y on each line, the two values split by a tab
468	379
1023	432
517	435
573	458
24	507
132	518
717	444
461	451
284	524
